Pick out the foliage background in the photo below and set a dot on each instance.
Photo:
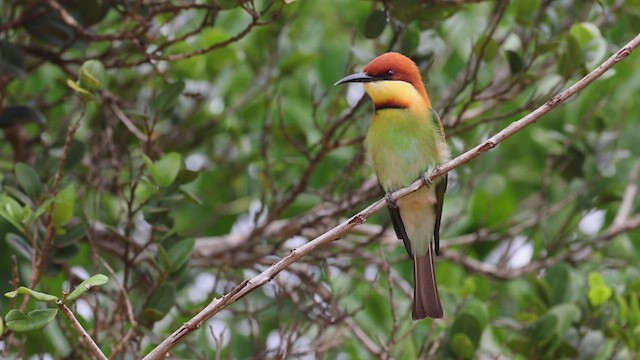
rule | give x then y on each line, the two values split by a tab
215	143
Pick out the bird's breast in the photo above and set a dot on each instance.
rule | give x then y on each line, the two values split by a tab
400	145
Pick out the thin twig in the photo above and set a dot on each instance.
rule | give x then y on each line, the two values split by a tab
132	319
50	228
84	336
629	197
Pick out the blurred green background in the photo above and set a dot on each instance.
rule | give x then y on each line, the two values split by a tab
210	142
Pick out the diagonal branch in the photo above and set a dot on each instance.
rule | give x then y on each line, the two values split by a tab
337	232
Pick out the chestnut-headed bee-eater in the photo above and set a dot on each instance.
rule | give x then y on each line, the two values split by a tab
405	140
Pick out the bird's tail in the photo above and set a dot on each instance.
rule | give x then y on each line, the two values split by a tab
426	302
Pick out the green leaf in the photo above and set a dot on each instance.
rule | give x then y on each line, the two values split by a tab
544	329
375	24
558	278
591	41
492	203
410	40
160	303
90	12
28	180
49	28
566	315
623	309
486	48
151	167
34	320
165	170
64	254
462	346
19	245
180	253
65	202
599	291
82	92
72	236
516	64
20	114
163	257
14	314
186	176
571	58
36	294
478	310
12	61
469	325
76	154
167	97
95	280
524	10
634	307
92	75
11	211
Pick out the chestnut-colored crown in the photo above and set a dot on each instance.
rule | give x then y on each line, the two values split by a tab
395	66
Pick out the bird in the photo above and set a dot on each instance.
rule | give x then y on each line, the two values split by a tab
404	141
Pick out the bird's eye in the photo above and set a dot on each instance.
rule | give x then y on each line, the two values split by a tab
390	73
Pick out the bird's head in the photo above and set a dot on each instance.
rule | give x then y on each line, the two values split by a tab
392	80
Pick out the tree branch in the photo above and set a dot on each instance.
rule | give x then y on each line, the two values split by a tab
82	333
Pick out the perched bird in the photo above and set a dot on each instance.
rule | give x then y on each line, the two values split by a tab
405	140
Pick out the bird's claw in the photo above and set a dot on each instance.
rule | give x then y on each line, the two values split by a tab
391	200
425	179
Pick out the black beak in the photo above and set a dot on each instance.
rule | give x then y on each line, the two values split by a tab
358	77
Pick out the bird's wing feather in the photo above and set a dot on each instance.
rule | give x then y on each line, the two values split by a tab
398	226
441	188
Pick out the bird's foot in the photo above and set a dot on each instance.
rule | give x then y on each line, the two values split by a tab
425	179
391	200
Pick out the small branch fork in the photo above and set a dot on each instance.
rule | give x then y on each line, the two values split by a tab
340	230
77	327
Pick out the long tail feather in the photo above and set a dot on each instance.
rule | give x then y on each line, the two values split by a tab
426	302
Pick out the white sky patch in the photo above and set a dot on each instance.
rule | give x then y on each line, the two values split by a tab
195	162
457	144
289	279
216	105
592	222
273	340
295	242
371	273
520	252
303	346
247	221
142	230
84	309
80	272
269	290
46	356
247	326
202	287
354	94
165	322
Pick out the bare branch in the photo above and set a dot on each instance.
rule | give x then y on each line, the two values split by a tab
82	333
